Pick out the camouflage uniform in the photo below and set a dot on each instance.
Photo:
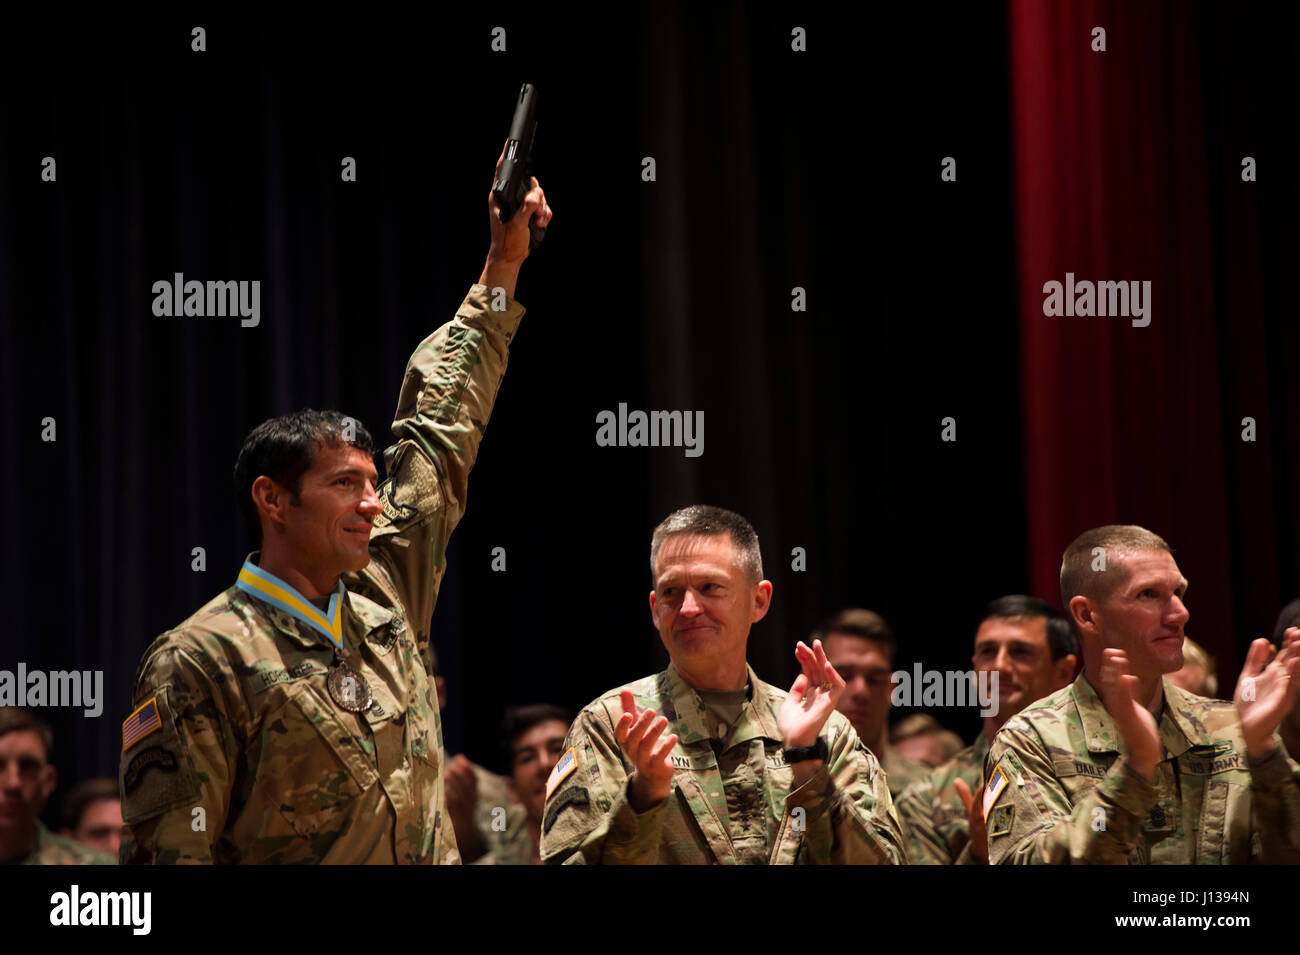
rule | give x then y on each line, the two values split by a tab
246	730
493	794
901	771
1061	792
60	850
731	801
934	819
512	847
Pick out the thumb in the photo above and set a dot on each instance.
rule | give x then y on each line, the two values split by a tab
1256	657
1126	689
530	206
963	793
800	687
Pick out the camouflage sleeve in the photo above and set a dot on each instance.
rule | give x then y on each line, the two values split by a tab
925	846
847	811
1030	819
175	779
447	395
1275	802
588	819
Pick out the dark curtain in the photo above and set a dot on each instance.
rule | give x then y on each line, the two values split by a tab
775	170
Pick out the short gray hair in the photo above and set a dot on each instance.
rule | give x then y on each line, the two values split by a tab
706	521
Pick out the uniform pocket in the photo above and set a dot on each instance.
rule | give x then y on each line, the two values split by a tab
1217	835
311	765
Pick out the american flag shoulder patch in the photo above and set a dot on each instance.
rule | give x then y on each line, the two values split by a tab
567	764
140	724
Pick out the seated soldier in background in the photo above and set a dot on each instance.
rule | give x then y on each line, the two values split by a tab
748	774
92	815
534	737
1123	766
1198	674
27	777
923	739
860	645
1033	652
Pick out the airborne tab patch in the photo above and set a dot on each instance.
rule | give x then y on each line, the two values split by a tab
153	757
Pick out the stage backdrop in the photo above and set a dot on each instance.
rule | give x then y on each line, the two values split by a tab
806	268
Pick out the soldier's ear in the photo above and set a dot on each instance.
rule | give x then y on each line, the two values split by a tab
1082	611
762	600
270	498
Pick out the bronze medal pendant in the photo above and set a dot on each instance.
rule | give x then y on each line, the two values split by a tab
349	689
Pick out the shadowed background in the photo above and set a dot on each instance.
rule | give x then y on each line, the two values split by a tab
775	170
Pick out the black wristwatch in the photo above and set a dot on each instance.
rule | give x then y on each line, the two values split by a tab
799	754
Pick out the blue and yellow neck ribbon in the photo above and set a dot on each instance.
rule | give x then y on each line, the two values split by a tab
264	586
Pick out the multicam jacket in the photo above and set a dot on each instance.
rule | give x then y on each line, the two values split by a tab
236	752
52	849
1059	788
731	801
935	823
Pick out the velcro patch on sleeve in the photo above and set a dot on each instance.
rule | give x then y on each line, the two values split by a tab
160	775
563	769
141	723
999	824
997	783
573	796
153	758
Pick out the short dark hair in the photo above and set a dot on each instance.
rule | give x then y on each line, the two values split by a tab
1077	576
864	624
518	720
82	795
283	449
14	719
706	521
1060	635
1289	617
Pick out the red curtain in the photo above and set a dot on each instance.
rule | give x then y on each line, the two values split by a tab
1114	179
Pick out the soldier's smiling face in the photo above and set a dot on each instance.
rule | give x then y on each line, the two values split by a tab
1017	649
328	528
1144	615
703	604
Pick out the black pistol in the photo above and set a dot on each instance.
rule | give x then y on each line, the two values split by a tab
513	182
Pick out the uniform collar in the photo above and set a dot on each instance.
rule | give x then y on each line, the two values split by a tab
354	612
1178	729
691	718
